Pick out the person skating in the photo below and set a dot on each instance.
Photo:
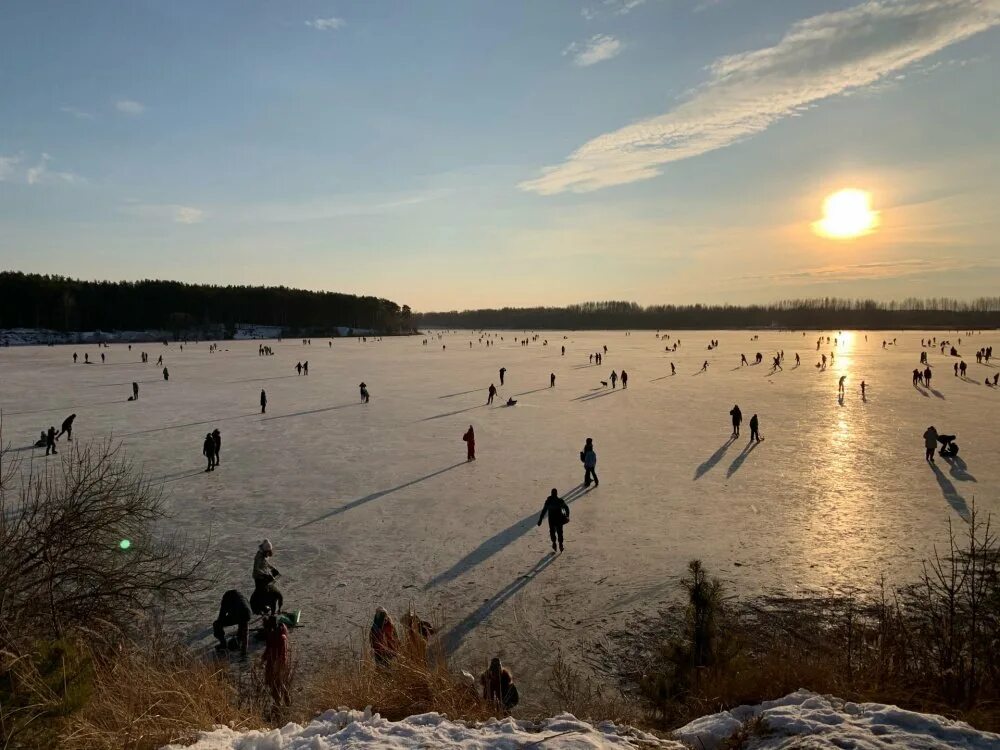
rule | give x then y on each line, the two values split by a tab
737	416
704	366
208	451
624	380
755	428
263	401
589	458
266	594
135	391
166	374
840	385
50	441
217	444
67	428
930	442
743	361
503	371
233	610
492	393
382	638
558	512
470	444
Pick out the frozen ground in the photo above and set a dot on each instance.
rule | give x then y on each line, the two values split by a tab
375	504
799	720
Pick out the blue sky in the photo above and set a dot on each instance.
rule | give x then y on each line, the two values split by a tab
463	154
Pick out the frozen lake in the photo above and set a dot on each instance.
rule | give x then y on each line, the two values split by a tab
374	504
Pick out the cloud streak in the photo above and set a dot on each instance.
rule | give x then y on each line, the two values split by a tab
598	48
172	212
76	112
326	24
820	57
130	107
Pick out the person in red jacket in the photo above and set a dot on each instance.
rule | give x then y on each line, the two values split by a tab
470	441
383	639
276	672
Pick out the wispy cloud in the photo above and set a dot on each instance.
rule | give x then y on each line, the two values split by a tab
326	24
888	269
40	174
598	48
164	212
76	112
130	107
333	207
8	167
823	56
610	7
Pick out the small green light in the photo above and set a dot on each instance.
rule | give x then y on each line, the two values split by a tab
124	544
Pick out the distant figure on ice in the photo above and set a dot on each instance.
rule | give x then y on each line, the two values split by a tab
917	376
159	360
67	428
135	391
492	393
470	444
365	397
166	374
589	458
614	379
503	371
382	638
927	377
208	451
266	594
840	385
263	401
737	416
42	440
233	610
558	512
305	367
50	441
74	358
930	443
217	444
552	380
797	360
564	351
673	371
298	368
511	401
755	429
864	387
624	379
743	360
102	358
704	366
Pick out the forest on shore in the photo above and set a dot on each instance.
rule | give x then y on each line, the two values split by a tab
62	304
828	313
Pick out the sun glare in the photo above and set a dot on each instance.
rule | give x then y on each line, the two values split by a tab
846	214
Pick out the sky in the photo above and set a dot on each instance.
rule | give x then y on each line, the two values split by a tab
454	154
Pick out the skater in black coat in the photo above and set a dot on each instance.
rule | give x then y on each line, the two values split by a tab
558	512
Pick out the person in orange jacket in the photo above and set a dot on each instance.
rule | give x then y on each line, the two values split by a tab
384	643
470	440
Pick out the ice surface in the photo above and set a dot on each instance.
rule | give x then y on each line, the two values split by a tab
375	504
356	729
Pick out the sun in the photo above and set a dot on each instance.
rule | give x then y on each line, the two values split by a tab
847	214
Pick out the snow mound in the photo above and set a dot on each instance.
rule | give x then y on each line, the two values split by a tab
357	730
808	720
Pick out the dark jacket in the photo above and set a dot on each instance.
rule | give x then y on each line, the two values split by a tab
234	607
557	511
208	448
754	424
736	414
217	440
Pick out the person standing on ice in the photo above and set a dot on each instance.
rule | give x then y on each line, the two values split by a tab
840	385
503	371
614	379
737	416
492	392
135	391
673	370
589	458
930	442
217	444
208	451
624	379
166	374
470	444
263	401
298	367
558	512
755	428
927	376
50	441
552	380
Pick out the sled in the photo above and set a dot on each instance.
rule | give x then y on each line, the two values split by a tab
291	619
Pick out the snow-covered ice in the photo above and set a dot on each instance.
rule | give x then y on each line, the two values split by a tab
357	729
799	720
374	504
807	720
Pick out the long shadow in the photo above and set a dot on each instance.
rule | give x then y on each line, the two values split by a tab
595	396
452	413
583	367
179	476
257	380
497	542
376	495
738	461
109	385
462	393
664	377
956	501
537	390
958	469
921	391
186	424
67	408
452	639
937	393
712	460
311	411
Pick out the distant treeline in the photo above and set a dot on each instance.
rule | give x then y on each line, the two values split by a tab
827	313
63	304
